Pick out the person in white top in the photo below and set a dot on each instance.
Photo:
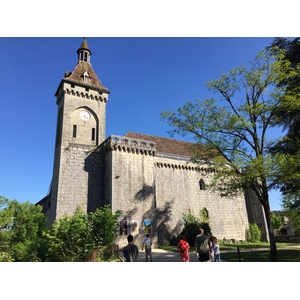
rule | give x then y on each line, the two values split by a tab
217	251
147	244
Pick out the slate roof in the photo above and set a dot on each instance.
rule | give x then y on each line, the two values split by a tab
164	145
76	76
83	66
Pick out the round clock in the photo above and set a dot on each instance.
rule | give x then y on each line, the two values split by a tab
84	115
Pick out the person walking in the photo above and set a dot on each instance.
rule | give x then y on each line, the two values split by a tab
147	244
130	251
211	252
202	246
183	247
217	251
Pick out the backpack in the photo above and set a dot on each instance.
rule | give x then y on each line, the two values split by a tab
183	246
203	243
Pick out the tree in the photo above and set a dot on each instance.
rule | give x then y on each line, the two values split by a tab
105	225
277	222
291	205
81	237
21	227
24	236
235	138
253	234
288	114
69	239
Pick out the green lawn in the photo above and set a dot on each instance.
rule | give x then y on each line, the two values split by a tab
287	255
254	252
259	245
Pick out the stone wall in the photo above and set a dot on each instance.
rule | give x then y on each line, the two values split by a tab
287	239
131	189
148	186
73	179
73	98
256	214
78	174
178	185
145	185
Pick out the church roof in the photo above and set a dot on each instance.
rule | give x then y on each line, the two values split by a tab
165	145
84	45
77	76
83	73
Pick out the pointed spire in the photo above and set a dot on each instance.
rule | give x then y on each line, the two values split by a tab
84	53
84	44
84	72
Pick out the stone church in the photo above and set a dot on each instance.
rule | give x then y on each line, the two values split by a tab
150	179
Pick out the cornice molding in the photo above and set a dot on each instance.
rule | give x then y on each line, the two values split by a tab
85	95
129	145
186	166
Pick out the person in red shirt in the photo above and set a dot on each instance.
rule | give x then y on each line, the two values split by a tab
183	247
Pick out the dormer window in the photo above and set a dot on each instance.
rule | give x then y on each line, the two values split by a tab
86	77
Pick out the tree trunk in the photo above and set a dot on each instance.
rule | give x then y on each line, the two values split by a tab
273	248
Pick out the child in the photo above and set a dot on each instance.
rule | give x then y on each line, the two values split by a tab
183	247
217	250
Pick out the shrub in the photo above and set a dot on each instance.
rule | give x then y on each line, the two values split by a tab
253	233
192	226
21	226
190	218
206	227
191	230
5	257
277	222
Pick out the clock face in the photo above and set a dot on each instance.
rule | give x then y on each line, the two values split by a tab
84	115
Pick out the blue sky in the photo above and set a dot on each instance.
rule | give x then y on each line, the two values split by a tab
145	77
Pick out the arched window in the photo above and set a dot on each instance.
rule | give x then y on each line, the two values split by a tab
201	185
204	213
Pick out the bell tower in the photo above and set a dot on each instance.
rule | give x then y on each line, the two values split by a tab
81	100
81	126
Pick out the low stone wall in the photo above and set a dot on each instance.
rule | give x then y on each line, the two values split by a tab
287	239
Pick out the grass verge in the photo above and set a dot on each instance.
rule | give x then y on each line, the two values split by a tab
254	252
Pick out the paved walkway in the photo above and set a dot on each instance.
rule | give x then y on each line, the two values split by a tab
160	255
